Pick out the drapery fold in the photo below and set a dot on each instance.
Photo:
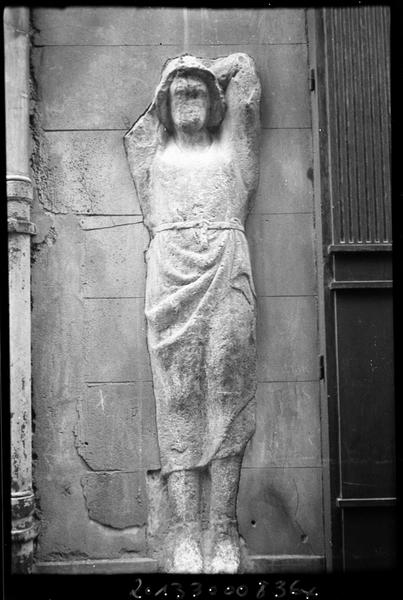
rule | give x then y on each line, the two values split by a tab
201	337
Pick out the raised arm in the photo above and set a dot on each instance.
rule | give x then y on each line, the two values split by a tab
241	126
141	143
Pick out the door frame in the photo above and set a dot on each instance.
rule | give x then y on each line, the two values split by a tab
329	401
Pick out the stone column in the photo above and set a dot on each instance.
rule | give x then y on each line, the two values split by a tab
19	197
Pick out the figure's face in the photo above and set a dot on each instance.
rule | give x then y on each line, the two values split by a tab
190	103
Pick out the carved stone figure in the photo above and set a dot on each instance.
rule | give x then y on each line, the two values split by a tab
193	156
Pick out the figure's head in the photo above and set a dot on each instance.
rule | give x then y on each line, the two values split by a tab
189	96
189	103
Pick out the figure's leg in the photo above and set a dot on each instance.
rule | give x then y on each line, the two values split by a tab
222	552
184	495
184	498
225	473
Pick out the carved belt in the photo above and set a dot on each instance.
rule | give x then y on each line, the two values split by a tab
203	225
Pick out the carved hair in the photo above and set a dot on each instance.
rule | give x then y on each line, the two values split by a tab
185	66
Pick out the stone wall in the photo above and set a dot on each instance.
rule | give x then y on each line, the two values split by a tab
94	71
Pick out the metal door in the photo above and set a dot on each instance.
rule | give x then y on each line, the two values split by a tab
349	55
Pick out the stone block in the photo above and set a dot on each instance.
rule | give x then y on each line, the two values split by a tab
94	87
287	426
115	341
124	566
57	309
116	429
97	87
288	563
285	95
109	426
287	338
279	510
282	256
101	25
114	257
285	171
66	531
283	73
137	26
88	173
246	26
117	500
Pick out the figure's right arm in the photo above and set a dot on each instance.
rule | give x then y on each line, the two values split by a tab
141	143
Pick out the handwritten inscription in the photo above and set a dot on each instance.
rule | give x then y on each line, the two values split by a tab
260	590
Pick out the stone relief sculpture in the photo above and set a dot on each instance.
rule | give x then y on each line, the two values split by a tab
193	156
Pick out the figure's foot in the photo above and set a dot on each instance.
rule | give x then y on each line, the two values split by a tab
222	548
226	558
187	556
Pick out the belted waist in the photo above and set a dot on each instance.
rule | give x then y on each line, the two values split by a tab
202	224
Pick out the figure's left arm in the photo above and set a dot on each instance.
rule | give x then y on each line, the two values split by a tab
241	126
